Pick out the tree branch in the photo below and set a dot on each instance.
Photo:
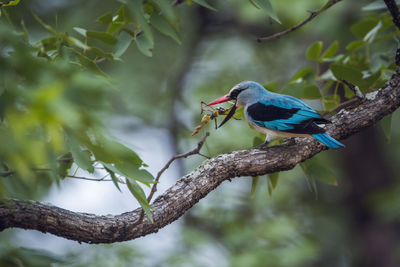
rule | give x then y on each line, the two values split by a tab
196	185
312	15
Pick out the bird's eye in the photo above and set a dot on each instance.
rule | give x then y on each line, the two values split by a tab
234	94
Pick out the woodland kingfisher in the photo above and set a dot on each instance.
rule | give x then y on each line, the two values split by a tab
276	115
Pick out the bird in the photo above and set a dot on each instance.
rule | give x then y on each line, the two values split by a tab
276	115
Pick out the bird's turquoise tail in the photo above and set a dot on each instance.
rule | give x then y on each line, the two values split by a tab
327	140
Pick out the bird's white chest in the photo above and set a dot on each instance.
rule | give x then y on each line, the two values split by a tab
271	134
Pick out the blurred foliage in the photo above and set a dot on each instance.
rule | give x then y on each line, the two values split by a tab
64	77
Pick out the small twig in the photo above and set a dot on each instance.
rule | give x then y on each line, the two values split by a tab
89	179
195	151
312	15
354	88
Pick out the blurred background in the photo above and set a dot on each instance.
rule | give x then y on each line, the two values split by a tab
156	106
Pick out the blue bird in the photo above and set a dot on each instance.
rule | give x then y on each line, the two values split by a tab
276	115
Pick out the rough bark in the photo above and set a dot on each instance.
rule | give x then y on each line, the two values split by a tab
196	185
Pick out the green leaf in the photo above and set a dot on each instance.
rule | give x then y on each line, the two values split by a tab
254	182
360	29
306	73
330	102
370	36
386	124
311	92
204	4
145	47
315	169
331	50
113	177
82	157
89	64
130	170
117	21
49	44
273	178
167	10
138	193
102	36
311	182
124	41
313	51
161	25
267	7
109	151
257	140
106	18
137	10
9	3
100	53
355	45
352	75
64	166
81	31
76	42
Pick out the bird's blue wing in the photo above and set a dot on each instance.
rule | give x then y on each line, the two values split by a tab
285	113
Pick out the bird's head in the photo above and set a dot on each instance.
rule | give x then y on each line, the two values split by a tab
243	93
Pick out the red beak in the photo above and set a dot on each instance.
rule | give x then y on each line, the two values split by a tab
219	100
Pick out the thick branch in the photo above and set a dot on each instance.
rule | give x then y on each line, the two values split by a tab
196	185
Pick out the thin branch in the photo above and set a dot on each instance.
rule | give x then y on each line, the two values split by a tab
394	11
312	15
89	179
354	88
195	151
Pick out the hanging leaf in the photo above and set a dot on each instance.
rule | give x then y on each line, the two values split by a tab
82	157
315	169
349	74
355	45
117	20
167	11
161	25
272	181
370	36
113	177
386	124
204	4
254	182
144	46
267	7
137	10
331	50
313	51
106	18
124	41
138	193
